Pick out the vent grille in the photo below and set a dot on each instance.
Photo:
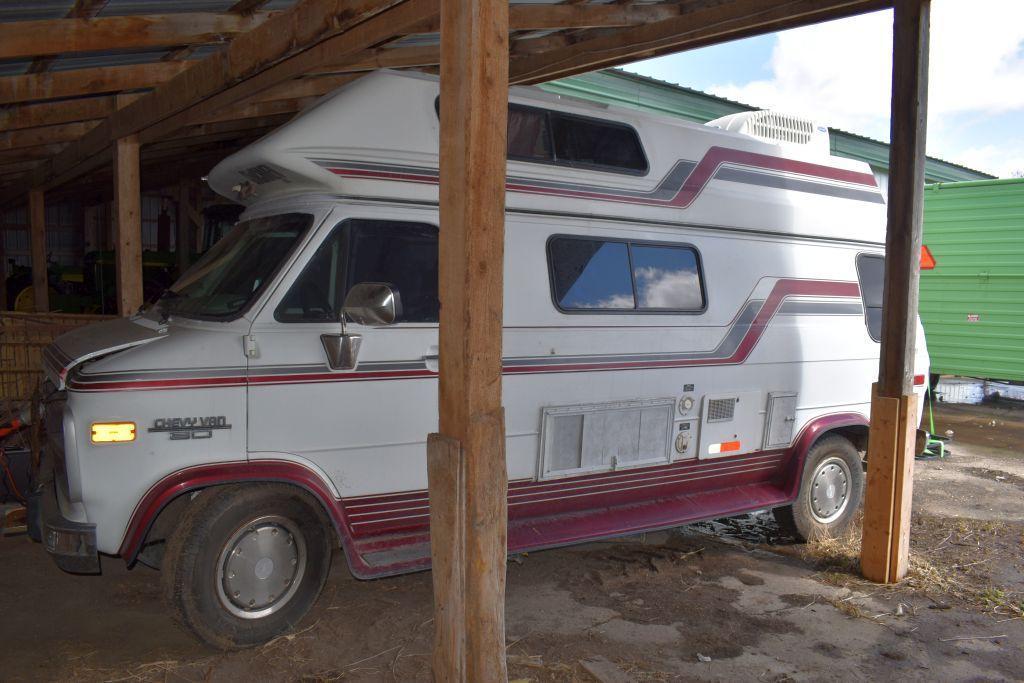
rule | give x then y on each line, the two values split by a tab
769	125
721	409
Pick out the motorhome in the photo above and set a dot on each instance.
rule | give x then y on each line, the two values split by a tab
691	325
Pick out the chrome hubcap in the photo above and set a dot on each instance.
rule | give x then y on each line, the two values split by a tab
261	567
830	490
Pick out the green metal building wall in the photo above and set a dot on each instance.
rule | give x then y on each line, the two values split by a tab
972	303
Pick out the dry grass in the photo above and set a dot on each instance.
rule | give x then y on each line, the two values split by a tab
931	574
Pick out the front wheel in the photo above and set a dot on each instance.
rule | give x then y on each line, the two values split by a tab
831	490
246	563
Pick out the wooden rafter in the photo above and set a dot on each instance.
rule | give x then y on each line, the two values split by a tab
252	63
700	23
82	9
59	36
99	80
247	6
337	39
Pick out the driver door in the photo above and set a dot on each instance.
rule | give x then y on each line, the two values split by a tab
365	427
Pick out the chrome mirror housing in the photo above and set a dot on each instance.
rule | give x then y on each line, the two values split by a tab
342	350
372	303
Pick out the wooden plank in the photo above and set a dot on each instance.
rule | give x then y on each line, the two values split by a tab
127	226
887	498
78	82
246	6
903	488
44	135
558	17
53	113
37	236
906	186
81	9
276	41
521	18
474	96
3	263
446	472
876	545
183	239
700	23
133	32
375	30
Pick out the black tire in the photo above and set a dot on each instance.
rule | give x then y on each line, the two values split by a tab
197	563
810	518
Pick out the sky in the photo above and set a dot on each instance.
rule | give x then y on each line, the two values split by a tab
839	74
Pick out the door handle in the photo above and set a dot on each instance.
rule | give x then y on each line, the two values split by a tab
431	360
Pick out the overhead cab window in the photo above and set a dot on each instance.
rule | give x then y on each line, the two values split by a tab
871	275
595	275
554	137
401	254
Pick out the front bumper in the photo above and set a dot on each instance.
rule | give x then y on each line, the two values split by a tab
71	544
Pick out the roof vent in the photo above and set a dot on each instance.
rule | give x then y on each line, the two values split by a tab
771	126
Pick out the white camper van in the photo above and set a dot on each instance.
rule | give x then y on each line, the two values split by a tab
691	330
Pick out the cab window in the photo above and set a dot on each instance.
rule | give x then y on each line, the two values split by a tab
871	274
400	254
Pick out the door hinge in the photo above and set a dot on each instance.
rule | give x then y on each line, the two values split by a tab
249	344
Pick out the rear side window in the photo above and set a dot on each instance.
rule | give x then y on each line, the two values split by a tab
589	142
871	274
401	254
554	137
619	276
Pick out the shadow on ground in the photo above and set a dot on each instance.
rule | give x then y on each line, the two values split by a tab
726	600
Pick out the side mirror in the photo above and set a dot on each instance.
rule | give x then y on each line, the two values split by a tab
372	303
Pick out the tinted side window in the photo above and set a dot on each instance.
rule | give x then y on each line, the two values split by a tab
666	278
529	136
590	274
595	143
315	296
403	255
871	274
553	137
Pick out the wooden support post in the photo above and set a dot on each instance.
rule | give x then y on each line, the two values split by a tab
468	478
885	545
3	261
128	225
183	238
37	236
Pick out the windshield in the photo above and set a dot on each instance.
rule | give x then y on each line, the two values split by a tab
232	274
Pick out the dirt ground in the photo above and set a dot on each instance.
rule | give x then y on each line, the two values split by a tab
723	601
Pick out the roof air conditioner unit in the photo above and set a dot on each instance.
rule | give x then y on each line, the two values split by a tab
770	126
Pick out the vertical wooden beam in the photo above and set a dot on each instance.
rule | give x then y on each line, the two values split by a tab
3	261
183	239
128	225
885	545
469	518
37	236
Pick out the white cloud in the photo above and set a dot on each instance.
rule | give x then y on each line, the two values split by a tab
840	73
661	288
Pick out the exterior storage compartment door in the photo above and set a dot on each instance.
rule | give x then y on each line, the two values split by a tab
605	436
780	417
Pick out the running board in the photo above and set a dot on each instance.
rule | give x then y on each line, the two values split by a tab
391	554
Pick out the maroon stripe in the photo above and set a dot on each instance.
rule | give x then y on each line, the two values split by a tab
782	289
684	196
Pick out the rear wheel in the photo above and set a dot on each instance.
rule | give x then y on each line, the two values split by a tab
246	563
831	490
